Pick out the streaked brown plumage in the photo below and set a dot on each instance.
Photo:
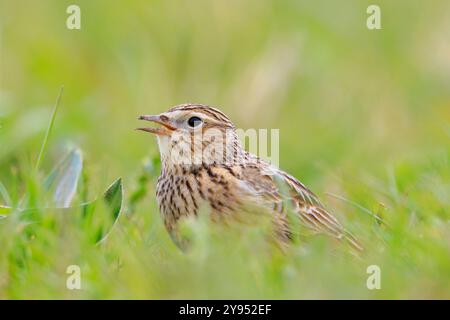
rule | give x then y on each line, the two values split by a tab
203	162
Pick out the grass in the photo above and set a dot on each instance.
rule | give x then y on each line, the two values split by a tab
364	120
49	129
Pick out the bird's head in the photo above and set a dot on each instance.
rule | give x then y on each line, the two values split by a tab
194	134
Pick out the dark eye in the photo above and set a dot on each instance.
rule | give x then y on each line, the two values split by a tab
194	121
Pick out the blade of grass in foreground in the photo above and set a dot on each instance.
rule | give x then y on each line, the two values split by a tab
63	181
360	207
5	210
49	129
4	194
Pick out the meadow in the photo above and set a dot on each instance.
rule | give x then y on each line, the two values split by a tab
364	120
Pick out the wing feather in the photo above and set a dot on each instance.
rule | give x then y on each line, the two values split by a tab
274	188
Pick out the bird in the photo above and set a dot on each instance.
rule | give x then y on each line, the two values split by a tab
203	163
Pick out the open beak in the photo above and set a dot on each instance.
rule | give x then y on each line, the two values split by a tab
165	128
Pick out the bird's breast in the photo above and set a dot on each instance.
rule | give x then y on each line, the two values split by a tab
182	193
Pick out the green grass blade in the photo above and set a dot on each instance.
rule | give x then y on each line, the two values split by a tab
5	195
360	207
49	129
5	210
113	198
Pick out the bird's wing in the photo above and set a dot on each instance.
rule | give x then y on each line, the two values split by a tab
279	190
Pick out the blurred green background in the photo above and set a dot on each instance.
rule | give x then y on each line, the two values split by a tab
364	115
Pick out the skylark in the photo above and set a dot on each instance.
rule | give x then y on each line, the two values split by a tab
203	162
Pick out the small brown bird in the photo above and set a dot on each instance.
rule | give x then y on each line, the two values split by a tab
203	162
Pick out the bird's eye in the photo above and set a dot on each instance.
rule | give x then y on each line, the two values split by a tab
194	122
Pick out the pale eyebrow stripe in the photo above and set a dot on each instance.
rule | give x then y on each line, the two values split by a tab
207	110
